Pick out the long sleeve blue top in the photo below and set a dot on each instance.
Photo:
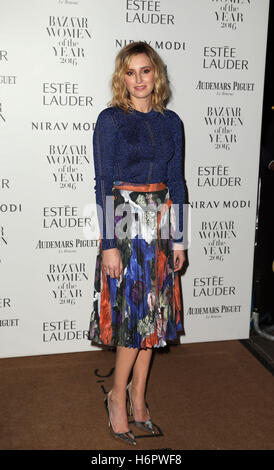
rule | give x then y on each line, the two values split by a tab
137	147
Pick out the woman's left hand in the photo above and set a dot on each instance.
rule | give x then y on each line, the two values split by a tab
179	258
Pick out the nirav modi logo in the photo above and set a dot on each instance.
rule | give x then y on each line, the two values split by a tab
69	33
68	164
230	13
162	45
61	126
227	204
10	208
147	12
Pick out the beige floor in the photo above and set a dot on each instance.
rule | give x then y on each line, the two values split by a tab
214	395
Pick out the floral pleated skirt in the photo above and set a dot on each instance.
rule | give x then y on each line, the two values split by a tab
143	308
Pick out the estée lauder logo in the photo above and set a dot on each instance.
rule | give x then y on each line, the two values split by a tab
64	330
67	216
147	12
207	286
217	176
223	58
64	94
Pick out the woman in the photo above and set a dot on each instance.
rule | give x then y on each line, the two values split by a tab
138	168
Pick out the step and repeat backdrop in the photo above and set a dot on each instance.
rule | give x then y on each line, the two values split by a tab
56	62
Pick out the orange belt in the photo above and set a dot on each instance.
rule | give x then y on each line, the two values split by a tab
141	187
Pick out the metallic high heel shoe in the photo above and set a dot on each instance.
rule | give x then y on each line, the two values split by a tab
144	425
125	436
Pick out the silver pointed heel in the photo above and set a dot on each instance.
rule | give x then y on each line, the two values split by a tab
124	436
144	425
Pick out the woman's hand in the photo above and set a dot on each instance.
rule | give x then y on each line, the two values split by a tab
112	262
179	258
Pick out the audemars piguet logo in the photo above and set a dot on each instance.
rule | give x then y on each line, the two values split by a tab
229	14
225	88
6	79
66	246
69	35
6	308
214	311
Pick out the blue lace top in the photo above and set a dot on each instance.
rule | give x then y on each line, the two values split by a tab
138	147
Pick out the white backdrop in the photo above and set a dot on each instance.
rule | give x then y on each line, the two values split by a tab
56	62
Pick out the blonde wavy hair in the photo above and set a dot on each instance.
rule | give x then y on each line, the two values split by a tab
121	97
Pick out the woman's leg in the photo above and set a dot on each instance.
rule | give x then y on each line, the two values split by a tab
138	384
125	358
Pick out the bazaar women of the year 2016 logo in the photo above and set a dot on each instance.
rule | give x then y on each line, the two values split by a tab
229	14
69	35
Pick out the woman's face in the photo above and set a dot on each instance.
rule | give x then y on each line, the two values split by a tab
139	77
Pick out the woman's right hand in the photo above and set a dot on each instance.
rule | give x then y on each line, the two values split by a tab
112	262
